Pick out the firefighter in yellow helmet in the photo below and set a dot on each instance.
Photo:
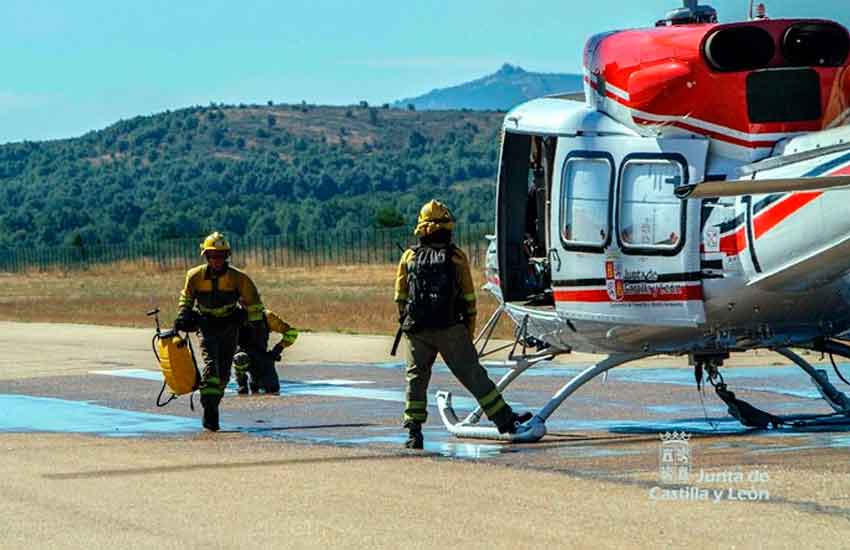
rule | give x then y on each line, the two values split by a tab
436	302
217	298
254	365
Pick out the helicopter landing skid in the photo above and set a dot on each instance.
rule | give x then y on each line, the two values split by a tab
534	429
531	431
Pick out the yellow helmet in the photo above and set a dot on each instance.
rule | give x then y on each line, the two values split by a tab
215	241
433	216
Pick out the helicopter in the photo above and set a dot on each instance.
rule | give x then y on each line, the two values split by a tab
694	204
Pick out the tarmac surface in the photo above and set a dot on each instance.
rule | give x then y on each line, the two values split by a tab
91	462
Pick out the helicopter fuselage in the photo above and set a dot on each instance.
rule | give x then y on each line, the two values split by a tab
595	250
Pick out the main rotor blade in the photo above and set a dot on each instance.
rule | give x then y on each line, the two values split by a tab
575	96
736	188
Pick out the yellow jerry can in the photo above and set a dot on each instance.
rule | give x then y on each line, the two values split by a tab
177	364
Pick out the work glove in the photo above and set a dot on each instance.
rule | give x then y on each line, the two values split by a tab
180	324
276	351
186	321
289	337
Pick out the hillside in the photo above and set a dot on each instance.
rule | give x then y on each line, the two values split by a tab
501	90
248	170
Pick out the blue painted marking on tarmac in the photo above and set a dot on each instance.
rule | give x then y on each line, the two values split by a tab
783	380
691	425
542	369
41	414
685	409
326	388
787	380
826	435
27	414
22	413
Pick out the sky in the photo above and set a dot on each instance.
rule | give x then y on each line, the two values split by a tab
74	66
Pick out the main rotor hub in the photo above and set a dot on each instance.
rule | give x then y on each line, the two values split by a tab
691	13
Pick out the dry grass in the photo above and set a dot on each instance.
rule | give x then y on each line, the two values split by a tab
352	299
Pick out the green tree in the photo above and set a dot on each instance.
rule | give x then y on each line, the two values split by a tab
388	216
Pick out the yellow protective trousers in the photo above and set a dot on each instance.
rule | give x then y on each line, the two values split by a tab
218	345
455	346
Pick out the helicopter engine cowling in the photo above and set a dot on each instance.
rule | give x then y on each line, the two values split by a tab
744	85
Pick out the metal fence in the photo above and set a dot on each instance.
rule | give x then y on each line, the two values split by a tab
368	246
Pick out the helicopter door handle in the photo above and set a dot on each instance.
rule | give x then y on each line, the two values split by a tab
553	253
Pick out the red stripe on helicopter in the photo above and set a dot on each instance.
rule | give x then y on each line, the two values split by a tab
682	294
734	243
781	210
683	125
710	133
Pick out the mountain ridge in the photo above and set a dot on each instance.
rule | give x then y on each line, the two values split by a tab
499	91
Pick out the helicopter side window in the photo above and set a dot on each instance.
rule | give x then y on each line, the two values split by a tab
585	217
651	218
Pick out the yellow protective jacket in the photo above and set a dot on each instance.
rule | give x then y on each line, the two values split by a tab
276	324
219	295
467	288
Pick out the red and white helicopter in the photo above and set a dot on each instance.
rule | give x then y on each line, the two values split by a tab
694	204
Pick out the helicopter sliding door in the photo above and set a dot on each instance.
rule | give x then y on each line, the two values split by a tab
624	248
522	222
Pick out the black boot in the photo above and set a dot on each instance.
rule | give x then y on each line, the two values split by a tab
414	436
509	422
211	418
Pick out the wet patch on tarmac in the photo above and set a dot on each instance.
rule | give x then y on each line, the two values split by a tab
787	380
357	405
23	413
332	387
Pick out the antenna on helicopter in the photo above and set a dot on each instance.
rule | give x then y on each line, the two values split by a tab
690	13
761	11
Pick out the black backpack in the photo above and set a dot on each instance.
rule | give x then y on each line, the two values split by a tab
434	291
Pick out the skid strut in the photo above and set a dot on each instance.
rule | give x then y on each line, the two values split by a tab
836	399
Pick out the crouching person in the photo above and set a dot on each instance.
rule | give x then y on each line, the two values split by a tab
253	362
216	299
436	300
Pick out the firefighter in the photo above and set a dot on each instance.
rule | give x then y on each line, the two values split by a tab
436	302
217	299
254	365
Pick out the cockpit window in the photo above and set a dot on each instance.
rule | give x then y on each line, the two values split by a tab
586	202
651	218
